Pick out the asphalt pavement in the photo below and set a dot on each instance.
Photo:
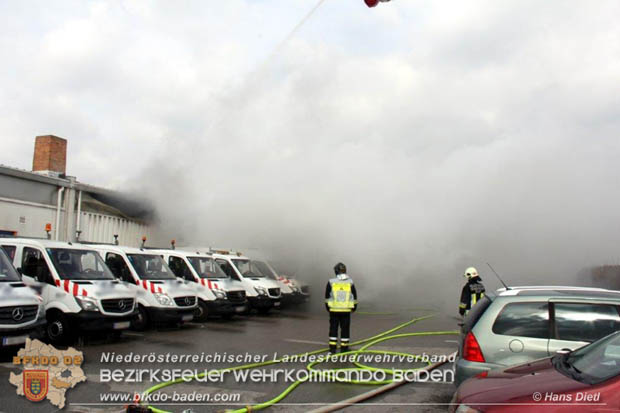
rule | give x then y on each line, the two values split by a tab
281	333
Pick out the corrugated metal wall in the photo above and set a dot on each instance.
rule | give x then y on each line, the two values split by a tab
101	228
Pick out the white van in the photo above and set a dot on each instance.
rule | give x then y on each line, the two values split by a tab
21	311
291	292
162	298
79	292
263	293
217	293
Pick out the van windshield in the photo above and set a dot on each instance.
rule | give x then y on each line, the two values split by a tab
247	268
264	269
72	264
150	267
206	267
7	272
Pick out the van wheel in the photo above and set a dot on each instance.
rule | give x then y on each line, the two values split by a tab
141	320
202	312
58	329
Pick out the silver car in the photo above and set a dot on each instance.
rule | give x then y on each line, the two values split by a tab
520	324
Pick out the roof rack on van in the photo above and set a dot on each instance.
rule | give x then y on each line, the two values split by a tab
95	243
225	252
171	247
21	236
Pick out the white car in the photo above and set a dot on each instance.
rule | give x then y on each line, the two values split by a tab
262	293
22	312
78	290
161	297
217	293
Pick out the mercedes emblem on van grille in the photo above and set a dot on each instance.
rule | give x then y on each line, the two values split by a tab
188	301
121	304
18	314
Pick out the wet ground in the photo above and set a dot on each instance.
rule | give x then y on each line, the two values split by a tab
286	332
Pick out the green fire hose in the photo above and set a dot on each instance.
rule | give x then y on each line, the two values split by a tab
365	349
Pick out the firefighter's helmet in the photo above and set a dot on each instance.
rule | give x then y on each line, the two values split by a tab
470	273
340	268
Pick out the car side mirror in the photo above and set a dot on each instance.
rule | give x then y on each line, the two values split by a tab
564	351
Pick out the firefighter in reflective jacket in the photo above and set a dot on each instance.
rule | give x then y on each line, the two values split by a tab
472	292
340	301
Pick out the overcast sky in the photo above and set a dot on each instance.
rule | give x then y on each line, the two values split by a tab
420	135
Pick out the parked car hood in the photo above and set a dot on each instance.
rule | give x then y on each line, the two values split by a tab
516	384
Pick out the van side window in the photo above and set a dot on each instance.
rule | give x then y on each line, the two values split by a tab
584	321
523	320
34	265
119	268
180	269
10	251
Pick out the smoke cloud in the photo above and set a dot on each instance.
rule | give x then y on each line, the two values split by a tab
496	146
409	142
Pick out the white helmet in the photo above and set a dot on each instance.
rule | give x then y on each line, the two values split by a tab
470	273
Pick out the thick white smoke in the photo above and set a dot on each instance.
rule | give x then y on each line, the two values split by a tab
408	141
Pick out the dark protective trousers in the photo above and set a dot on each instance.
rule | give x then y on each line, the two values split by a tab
342	320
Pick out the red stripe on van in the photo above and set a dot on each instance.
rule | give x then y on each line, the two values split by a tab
75	289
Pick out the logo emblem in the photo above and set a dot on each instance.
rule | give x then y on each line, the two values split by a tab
188	301
121	304
35	384
18	314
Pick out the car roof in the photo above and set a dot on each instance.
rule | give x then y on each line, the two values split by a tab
45	243
231	256
558	291
122	248
185	253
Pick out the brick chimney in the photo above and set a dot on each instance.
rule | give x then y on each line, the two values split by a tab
50	155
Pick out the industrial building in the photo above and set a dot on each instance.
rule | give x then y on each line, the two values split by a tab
46	202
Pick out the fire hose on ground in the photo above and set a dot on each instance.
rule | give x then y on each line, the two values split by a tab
365	349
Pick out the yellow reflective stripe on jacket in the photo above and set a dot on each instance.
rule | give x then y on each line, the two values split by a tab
474	298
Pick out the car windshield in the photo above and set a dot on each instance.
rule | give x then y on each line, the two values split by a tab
206	267
74	264
150	267
7	271
264	269
594	363
247	268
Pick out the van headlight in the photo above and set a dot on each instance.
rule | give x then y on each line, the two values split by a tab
164	299
87	303
260	290
41	311
219	293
